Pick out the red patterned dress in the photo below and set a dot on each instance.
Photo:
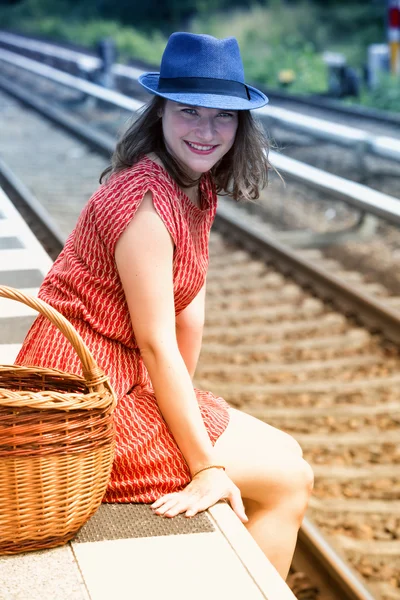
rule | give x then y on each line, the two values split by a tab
84	285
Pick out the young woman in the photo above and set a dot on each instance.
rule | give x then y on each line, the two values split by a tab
131	279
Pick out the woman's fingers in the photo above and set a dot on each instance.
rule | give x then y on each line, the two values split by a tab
198	507
171	504
176	510
163	500
180	503
165	508
236	502
200	495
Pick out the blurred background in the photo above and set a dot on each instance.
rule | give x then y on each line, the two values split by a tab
340	48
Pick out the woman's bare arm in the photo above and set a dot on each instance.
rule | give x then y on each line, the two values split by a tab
144	257
189	331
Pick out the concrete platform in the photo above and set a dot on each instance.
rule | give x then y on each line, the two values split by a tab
23	264
178	562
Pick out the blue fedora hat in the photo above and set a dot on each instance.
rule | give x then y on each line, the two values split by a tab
201	70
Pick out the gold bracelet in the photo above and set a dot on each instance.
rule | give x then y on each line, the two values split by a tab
206	468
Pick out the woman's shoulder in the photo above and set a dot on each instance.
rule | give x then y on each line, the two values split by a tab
115	203
144	172
124	190
128	185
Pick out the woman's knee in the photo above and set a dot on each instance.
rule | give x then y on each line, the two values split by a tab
293	444
264	462
307	476
301	490
297	478
290	485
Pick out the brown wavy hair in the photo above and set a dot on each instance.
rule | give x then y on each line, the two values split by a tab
241	173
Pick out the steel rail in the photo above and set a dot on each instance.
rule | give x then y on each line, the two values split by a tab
70	81
85	61
321	129
365	308
230	218
343	135
357	195
335	106
314	551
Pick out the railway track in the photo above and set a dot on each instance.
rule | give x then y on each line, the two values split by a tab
275	350
288	358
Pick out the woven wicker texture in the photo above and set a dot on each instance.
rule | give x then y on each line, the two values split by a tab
56	444
124	521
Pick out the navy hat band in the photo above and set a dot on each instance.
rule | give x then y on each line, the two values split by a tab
222	87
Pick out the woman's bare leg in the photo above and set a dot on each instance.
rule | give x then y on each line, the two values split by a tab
275	482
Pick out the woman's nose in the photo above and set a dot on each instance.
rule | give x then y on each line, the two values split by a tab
205	128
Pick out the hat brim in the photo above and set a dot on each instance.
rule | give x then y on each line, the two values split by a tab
257	99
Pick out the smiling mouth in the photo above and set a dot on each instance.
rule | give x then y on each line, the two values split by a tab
200	148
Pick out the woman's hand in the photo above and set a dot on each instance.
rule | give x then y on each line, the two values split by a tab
202	492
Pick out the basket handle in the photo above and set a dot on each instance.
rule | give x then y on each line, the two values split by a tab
94	377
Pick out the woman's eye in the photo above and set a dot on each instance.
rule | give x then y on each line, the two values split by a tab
225	115
189	111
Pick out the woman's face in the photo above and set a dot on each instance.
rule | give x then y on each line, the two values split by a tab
198	137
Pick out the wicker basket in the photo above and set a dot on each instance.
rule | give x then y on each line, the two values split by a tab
56	444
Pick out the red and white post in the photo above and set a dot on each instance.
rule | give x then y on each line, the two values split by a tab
393	29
